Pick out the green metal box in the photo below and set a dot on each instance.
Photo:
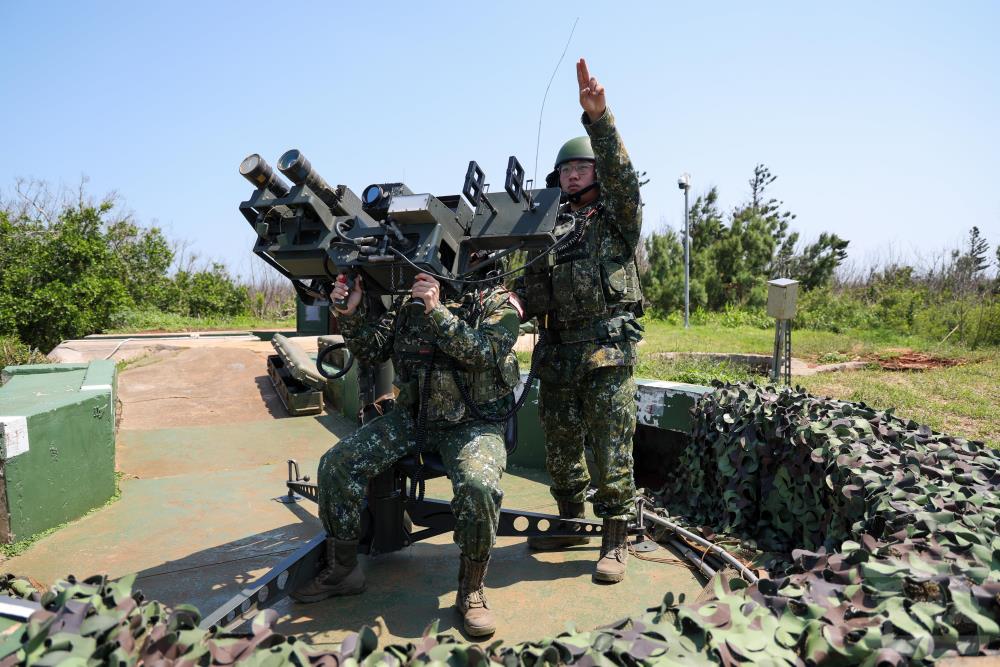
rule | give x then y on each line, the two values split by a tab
57	444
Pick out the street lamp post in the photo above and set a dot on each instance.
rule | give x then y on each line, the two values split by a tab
684	183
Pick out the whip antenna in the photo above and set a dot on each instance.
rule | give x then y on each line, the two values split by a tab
538	140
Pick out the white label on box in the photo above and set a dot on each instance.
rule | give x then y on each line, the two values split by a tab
14	436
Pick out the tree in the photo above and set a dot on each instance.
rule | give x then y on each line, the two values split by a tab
58	278
732	261
663	281
71	266
143	256
978	252
815	265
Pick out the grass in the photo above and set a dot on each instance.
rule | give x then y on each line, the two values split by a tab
962	400
154	320
806	344
19	547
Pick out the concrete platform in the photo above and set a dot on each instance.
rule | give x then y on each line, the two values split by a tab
197	521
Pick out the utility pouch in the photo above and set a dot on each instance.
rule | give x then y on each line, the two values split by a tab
444	402
614	279
576	289
536	288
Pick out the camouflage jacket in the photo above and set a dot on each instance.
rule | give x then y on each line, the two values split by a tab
474	335
587	295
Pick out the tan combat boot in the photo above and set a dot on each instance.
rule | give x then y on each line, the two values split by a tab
471	598
341	576
614	552
567	510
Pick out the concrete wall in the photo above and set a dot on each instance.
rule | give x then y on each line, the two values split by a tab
57	444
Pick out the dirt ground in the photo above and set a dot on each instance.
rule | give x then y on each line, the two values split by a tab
908	360
185	392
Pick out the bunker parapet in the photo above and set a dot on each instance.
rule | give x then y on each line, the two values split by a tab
57	444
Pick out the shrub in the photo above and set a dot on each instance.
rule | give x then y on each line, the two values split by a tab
15	353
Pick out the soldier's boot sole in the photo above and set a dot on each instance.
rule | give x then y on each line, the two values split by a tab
609	577
315	590
542	543
610	569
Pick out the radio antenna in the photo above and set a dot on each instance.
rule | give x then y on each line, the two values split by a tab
538	140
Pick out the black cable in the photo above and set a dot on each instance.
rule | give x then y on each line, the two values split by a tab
528	381
420	433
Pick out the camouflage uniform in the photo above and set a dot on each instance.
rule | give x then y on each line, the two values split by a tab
477	335
586	298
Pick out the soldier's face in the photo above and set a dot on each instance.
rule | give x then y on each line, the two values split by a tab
575	175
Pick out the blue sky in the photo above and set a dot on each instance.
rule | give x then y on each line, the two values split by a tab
881	120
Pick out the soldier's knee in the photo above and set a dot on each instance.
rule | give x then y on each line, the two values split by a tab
332	459
480	494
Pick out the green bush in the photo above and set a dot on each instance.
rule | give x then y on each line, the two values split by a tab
77	268
971	321
733	317
15	353
827	310
205	293
58	280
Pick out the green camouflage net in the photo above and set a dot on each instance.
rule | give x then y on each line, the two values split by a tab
882	537
885	533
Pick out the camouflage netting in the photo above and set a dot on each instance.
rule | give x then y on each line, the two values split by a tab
882	539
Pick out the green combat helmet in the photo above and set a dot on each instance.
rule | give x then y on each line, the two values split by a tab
577	148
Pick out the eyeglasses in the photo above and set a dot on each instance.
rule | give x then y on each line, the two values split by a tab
579	168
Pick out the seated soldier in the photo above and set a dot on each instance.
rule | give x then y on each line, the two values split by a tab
474	335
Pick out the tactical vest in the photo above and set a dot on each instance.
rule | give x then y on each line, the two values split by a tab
414	351
593	280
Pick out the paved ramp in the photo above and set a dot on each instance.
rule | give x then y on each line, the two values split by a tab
202	447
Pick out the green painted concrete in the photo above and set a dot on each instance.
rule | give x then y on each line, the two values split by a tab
196	537
57	446
37	369
181	451
532	594
197	522
199	537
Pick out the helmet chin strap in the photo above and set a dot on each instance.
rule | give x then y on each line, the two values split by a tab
576	196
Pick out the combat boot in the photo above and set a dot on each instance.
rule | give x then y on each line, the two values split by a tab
567	510
471	598
614	552
341	576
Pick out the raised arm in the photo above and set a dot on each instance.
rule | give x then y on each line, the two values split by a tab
619	182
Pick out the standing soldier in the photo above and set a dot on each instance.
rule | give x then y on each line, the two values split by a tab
586	299
431	345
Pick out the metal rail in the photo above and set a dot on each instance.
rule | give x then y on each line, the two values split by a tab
728	558
293	571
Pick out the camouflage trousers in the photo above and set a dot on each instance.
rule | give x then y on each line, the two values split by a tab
598	412
473	453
